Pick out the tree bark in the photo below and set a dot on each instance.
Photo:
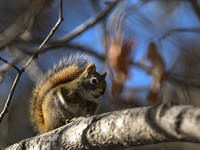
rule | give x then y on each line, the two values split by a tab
122	129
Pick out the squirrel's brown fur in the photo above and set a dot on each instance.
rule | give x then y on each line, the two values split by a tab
68	70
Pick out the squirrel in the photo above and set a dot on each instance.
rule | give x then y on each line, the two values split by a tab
72	89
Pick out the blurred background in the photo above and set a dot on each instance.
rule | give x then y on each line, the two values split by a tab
150	50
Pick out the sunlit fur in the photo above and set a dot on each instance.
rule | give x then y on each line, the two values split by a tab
67	70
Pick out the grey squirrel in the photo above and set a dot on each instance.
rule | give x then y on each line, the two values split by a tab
72	89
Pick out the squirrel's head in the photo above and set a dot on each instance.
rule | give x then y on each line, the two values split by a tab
93	82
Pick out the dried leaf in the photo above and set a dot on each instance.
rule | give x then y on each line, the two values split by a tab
119	59
157	72
119	53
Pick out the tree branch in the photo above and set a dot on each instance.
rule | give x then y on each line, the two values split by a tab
63	42
122	129
10	64
92	21
7	104
75	46
196	7
171	31
53	30
21	71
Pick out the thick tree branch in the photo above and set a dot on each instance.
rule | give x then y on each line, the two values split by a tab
121	129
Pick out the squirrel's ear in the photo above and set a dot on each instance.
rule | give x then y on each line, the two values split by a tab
104	75
91	68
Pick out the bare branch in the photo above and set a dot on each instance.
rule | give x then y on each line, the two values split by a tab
20	72
53	30
11	64
74	46
34	71
196	7
122	129
171	31
62	43
48	37
7	104
91	22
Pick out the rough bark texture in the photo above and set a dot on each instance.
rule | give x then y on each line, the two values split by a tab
122	129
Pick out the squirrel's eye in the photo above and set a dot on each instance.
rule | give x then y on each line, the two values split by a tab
93	80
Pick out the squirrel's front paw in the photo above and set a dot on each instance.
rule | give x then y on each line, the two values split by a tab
73	119
88	115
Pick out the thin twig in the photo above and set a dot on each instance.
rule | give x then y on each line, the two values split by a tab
75	46
54	28
7	104
83	27
171	31
11	64
20	72
48	37
92	21
89	23
16	60
196	7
